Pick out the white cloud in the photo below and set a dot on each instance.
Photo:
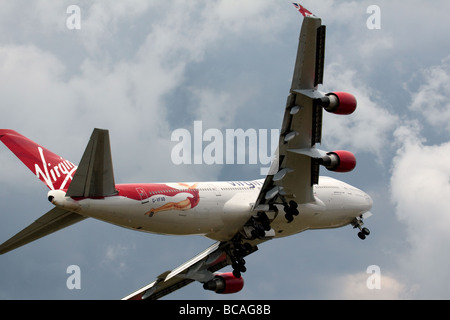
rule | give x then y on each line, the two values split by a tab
115	258
432	98
356	287
368	129
420	185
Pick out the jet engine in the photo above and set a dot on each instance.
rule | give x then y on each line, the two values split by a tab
338	103
224	283
339	161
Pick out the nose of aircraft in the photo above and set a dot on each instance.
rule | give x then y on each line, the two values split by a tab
367	202
362	201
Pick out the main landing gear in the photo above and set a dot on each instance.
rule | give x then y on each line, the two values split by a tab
358	223
237	255
291	210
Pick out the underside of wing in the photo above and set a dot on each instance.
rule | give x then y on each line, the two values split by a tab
295	168
292	175
308	71
200	268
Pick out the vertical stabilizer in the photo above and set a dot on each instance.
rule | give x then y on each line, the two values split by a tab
94	176
50	168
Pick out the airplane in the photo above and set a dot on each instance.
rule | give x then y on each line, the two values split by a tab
238	215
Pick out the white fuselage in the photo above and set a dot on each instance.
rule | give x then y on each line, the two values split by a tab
217	210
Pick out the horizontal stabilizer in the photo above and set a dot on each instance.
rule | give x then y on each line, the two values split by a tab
94	176
50	222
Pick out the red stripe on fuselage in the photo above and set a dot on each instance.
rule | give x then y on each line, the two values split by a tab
131	191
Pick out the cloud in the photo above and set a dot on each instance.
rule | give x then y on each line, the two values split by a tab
100	16
431	99
360	286
420	185
373	122
115	258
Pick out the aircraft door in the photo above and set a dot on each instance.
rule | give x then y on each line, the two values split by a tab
143	195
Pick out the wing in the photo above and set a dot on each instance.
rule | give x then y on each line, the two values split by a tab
294	170
50	222
200	268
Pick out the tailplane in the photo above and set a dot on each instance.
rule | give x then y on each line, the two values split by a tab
53	170
50	222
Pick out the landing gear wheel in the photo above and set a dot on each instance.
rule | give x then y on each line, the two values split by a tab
289	217
357	223
365	231
293	204
238	267
291	210
238	253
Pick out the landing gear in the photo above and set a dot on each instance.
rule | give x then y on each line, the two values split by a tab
238	267
291	210
258	227
237	257
363	233
358	223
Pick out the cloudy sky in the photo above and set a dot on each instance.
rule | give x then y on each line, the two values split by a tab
143	69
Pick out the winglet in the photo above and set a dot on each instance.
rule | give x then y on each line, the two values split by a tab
94	176
305	12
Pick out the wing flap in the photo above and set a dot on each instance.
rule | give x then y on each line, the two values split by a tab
50	222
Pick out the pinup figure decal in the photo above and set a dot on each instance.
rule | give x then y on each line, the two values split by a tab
191	200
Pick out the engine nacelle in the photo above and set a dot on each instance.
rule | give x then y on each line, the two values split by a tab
338	102
339	161
224	283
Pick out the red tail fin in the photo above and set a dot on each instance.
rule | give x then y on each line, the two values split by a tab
50	168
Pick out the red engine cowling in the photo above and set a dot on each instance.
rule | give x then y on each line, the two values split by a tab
339	161
224	283
339	103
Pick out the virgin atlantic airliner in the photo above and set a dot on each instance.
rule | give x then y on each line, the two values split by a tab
238	215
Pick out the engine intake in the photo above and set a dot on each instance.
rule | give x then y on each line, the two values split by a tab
339	161
338	103
224	283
